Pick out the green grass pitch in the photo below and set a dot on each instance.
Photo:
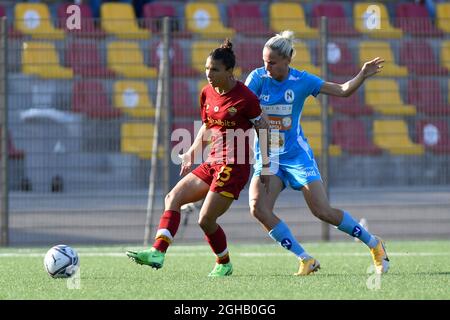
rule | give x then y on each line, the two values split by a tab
419	270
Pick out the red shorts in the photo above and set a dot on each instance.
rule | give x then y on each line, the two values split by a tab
228	180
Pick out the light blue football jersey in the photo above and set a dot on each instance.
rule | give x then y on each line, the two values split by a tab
283	104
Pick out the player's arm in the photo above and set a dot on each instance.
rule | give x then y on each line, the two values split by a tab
346	89
196	148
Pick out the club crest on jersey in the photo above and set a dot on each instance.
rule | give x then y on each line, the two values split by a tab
289	96
232	111
216	109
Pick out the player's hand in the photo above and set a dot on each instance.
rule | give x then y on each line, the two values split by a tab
186	163
372	67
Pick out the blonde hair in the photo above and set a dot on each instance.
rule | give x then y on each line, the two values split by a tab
282	43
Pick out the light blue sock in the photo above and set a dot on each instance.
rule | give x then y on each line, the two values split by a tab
283	236
353	228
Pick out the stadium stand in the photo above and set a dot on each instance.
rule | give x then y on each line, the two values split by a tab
364	25
340	59
154	11
313	133
88	27
119	19
368	50
182	103
351	136
393	136
34	19
90	98
132	97
137	138
248	56
352	106
13	152
247	19
337	24
85	60
434	135
312	107
41	59
426	95
203	18
420	59
179	64
290	16
126	59
443	16
384	97
302	59
414	19
445	54
199	51
12	32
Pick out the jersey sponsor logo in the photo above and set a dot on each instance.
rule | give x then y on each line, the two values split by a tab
286	243
220	122
280	123
278	109
276	141
264	97
356	232
289	96
310	173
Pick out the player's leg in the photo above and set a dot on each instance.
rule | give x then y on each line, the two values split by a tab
189	189
319	205
261	207
213	207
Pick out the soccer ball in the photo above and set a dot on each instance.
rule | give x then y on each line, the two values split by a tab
61	261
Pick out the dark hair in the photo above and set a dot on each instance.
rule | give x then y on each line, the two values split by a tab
225	54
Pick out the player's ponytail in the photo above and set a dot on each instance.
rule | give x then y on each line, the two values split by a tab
282	43
225	53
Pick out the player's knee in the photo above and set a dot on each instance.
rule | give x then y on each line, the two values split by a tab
170	199
257	210
205	223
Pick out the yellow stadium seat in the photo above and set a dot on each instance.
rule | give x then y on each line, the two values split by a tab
119	19
312	107
443	16
290	16
34	19
313	133
445	54
41	59
126	59
137	138
132	97
204	19
369	50
384	97
361	13
392	135
302	59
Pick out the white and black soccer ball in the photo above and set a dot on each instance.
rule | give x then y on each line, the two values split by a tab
61	261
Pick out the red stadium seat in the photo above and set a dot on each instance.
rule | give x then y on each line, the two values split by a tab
177	58
337	22
13	153
352	105
90	98
88	27
154	11
85	60
249	55
184	125
182	103
246	18
434	135
352	137
419	57
414	19
426	95
12	33
340	59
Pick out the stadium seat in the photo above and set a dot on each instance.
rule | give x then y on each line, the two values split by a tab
182	104
247	19
414	19
434	135
179	65
363	25
445	54
12	32
153	13
200	51
13	152
290	16
137	138
85	60
126	59
90	98
351	106
313	133
419	57
248	55
443	16
352	137
183	125
426	95
337	22
312	107
132	97
393	136
302	59
340	59
369	50
203	18
119	19
34	19
88	26
41	59
384	97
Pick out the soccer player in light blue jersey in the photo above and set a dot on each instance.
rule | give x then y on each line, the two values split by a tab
282	91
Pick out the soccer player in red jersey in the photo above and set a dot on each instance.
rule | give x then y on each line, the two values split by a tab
228	110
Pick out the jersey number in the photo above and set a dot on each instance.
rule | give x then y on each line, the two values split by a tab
223	176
